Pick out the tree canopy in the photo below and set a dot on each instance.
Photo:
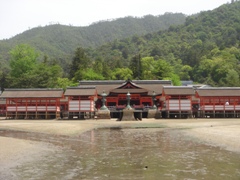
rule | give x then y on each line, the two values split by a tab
205	49
27	72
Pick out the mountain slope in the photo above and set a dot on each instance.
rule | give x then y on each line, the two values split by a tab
58	41
208	44
189	42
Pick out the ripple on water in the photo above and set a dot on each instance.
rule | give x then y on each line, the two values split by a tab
128	154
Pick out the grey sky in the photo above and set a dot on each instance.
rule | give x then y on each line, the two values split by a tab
17	16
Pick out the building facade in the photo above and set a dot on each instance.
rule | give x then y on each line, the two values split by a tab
32	103
145	99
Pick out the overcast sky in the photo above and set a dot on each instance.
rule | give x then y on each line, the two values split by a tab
17	16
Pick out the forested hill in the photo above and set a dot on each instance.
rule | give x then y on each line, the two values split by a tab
205	49
60	40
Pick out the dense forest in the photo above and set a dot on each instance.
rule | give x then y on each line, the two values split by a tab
204	48
59	41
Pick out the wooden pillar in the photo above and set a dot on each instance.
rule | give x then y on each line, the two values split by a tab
16	115
6	108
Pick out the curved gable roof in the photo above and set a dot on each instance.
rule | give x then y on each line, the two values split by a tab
109	85
130	87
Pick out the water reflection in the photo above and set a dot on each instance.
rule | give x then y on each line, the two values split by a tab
128	154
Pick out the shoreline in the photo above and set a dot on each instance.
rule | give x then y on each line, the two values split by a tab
223	133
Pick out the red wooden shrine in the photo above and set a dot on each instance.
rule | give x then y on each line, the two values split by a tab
32	103
81	101
141	92
177	101
219	102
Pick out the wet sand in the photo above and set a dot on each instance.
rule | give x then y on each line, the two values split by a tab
223	133
14	152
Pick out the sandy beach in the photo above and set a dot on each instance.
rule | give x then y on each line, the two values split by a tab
223	133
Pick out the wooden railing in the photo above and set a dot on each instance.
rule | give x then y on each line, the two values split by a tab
220	107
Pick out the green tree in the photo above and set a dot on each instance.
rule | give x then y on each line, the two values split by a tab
122	74
80	62
23	59
136	66
202	72
3	79
148	68
64	83
106	71
232	79
4	71
46	75
186	70
175	79
90	74
220	65
156	51
162	69
27	72
98	66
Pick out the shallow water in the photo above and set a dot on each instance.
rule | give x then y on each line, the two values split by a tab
128	154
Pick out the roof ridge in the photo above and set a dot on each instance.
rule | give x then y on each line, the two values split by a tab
32	89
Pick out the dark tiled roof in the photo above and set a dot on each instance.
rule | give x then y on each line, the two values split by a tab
148	85
220	91
83	91
102	86
178	90
125	91
118	82
130	87
32	93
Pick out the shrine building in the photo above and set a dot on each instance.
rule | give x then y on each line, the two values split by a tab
121	100
32	103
